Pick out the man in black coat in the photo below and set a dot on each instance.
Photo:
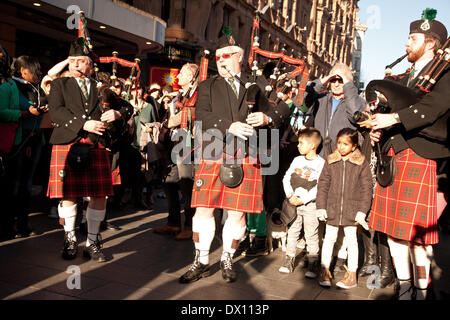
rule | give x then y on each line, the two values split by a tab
416	134
80	125
222	108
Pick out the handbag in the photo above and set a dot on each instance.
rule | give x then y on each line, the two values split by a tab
231	174
288	213
78	157
7	135
385	168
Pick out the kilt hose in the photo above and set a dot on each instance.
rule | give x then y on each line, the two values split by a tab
95	181
406	210
209	192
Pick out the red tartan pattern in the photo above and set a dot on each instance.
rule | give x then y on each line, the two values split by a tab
421	272
115	176
62	221
407	209
209	192
196	237
302	87
96	181
235	244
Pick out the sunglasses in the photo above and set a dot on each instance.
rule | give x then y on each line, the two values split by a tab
336	80
225	56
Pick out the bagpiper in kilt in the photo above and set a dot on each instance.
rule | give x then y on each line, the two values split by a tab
80	164
224	115
407	209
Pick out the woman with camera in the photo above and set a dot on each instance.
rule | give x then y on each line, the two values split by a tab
22	104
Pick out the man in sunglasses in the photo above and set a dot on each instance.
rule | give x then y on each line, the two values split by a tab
223	109
334	109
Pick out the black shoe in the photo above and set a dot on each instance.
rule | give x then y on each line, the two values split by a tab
70	249
370	254
24	233
83	228
228	274
196	271
105	225
387	276
258	248
244	245
94	251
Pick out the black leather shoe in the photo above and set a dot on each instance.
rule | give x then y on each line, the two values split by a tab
70	249
244	245
370	253
24	233
228	274
105	225
387	276
94	251
196	271
258	248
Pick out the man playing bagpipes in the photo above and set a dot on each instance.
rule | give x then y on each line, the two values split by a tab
80	164
415	134
227	177
180	171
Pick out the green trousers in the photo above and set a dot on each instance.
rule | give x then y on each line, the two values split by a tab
256	222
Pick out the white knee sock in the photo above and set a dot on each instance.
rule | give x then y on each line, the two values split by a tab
94	218
231	236
67	216
421	260
203	231
400	255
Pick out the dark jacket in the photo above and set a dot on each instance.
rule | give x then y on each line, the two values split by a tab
422	121
217	107
320	106
344	188
69	110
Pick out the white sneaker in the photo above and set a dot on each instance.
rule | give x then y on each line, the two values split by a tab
53	214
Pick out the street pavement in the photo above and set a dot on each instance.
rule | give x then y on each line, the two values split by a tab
145	265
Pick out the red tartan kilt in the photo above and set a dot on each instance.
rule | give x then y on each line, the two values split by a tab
209	192
95	181
407	209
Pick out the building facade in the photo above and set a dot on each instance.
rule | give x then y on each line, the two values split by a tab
321	31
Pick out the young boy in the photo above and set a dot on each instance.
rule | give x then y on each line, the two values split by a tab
300	186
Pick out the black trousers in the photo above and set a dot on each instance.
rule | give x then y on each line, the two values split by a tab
16	185
179	177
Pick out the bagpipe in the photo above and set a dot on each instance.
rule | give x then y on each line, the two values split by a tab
181	112
108	98
280	81
394	96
